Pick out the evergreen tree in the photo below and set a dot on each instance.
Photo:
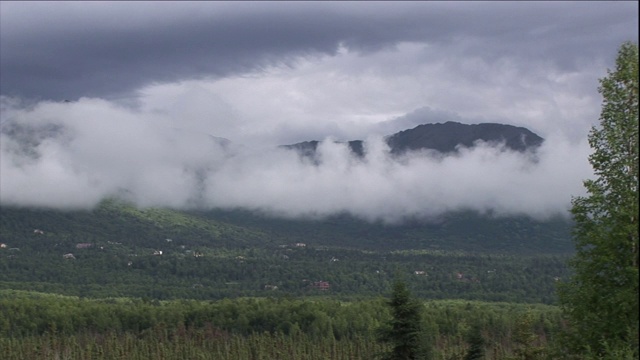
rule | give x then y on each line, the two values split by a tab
476	344
405	331
601	299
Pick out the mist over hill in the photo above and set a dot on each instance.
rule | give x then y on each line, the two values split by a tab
237	220
74	155
353	221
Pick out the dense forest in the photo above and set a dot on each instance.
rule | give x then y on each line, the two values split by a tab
36	325
159	283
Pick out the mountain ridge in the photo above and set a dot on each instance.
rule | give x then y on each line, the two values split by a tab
447	138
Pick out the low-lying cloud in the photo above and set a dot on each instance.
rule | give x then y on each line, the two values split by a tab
73	155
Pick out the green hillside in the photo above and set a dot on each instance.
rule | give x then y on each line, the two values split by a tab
118	250
461	231
118	222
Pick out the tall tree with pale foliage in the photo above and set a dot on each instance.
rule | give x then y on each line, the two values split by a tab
601	299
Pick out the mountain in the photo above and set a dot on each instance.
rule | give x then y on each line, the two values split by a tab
445	138
448	136
454	231
119	250
308	148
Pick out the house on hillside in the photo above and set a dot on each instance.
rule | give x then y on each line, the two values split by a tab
321	285
3	245
69	256
83	245
38	231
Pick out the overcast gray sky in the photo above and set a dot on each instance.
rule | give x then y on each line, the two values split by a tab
148	80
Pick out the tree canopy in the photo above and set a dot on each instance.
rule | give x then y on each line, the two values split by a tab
601	300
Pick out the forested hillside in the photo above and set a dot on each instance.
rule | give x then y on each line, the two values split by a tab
118	250
117	222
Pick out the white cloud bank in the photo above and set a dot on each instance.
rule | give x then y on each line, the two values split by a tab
72	155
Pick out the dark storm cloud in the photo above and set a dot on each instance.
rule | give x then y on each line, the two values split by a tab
68	50
84	60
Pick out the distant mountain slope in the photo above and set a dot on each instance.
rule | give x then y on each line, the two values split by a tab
114	221
308	148
466	231
444	138
149	228
120	251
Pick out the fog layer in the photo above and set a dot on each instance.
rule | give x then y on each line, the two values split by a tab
73	155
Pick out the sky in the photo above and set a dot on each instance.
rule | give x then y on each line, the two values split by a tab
130	99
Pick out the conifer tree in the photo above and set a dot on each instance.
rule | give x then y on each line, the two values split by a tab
476	344
405	332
